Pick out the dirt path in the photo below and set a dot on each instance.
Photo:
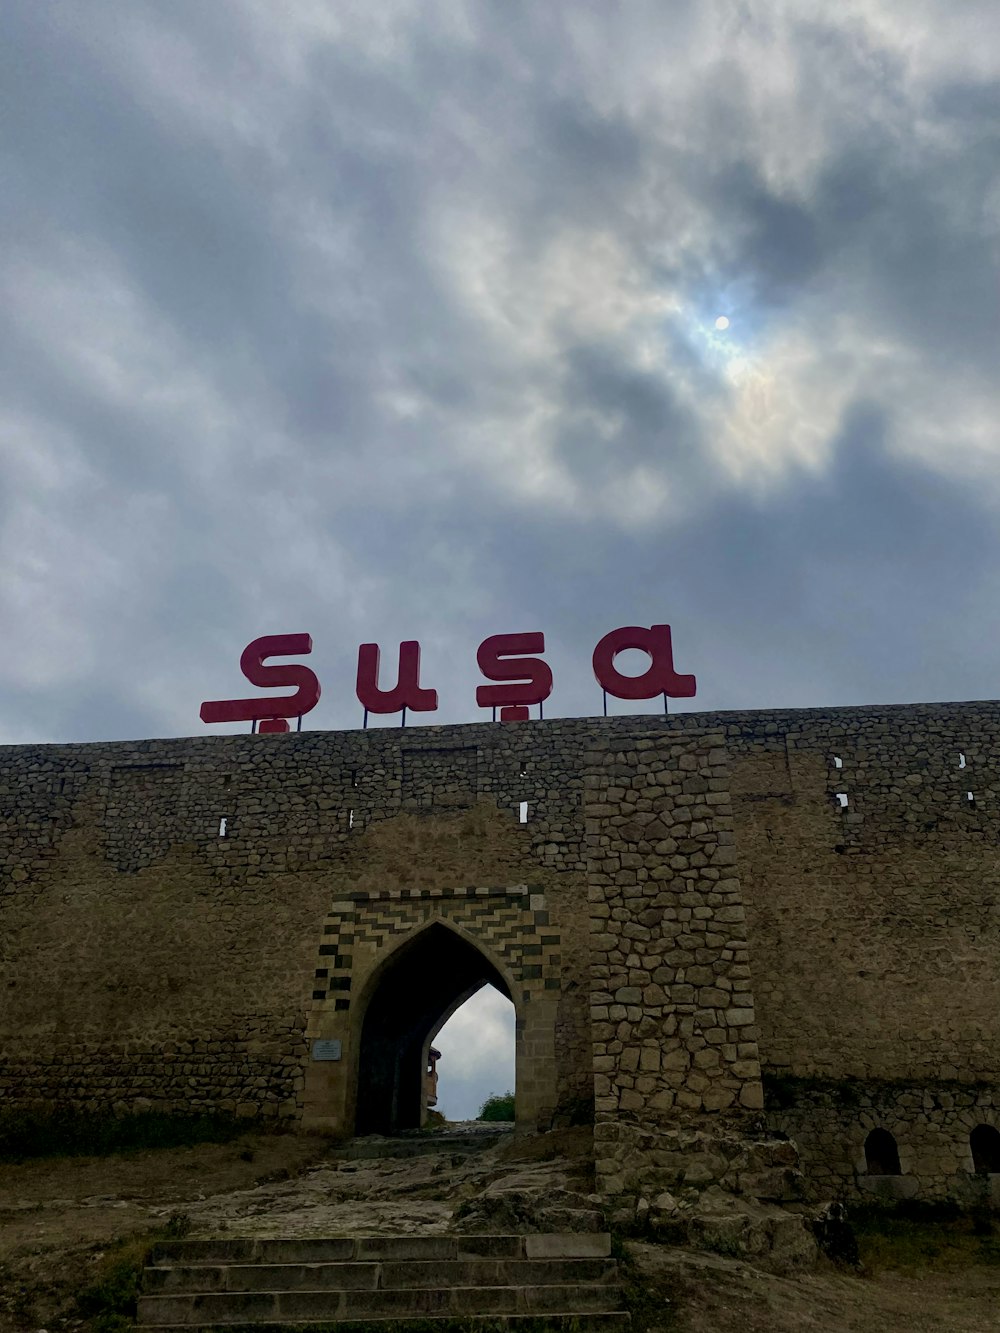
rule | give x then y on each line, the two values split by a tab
708	1294
73	1200
58	1215
57	1218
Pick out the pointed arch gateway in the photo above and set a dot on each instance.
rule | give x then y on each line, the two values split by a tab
406	1003
393	965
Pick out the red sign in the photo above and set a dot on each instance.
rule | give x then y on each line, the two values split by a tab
522	680
660	678
406	693
269	708
498	660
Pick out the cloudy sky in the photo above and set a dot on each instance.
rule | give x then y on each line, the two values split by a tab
477	1055
398	321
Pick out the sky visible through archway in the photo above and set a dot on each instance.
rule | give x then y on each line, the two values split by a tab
477	1054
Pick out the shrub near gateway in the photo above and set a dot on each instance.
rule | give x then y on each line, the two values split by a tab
500	1106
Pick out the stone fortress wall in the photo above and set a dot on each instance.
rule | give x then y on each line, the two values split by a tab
152	951
874	928
691	921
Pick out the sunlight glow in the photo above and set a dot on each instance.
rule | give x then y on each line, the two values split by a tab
722	322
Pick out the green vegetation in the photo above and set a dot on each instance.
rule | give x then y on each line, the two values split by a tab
649	1304
61	1132
914	1236
498	1107
109	1303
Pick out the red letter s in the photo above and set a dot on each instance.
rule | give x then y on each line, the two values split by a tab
513	698
306	695
660	678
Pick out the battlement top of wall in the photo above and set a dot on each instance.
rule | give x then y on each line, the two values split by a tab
748	725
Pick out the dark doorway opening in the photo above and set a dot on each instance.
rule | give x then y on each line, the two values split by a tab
881	1154
421	984
985	1144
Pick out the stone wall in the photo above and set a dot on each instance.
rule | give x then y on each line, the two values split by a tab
872	887
874	924
672	1005
165	904
931	1125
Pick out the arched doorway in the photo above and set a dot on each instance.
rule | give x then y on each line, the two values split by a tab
478	1042
881	1154
420	985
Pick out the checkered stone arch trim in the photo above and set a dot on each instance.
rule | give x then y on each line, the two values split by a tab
512	922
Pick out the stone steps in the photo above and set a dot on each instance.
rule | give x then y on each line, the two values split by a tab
193	1278
562	1279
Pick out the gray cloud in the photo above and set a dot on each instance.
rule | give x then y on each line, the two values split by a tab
477	1054
401	324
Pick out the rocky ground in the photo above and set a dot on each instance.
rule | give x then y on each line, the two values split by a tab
59	1217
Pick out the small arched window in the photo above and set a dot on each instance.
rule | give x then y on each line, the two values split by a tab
985	1144
881	1154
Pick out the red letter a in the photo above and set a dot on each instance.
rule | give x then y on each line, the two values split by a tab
659	678
407	692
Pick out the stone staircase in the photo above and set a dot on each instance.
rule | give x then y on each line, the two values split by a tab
555	1280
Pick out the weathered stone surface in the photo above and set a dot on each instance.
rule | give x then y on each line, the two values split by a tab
688	901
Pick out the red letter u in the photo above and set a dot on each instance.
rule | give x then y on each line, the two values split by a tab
407	692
